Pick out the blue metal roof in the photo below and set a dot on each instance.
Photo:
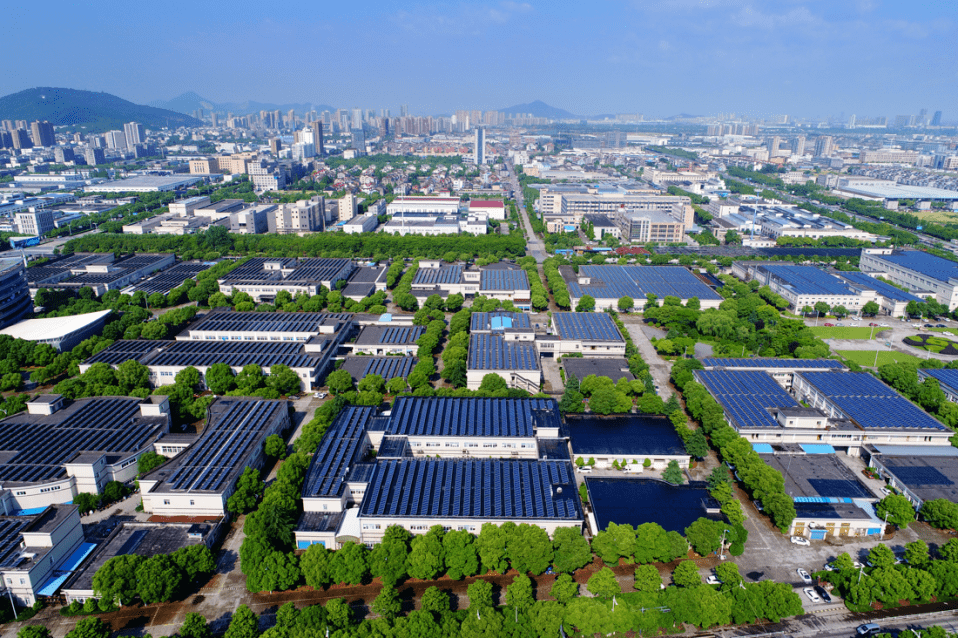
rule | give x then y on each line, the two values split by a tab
484	489
768	362
923	263
869	402
488	321
60	576
468	416
503	279
747	395
342	446
587	326
624	435
442	275
808	280
946	378
613	282
885	290
492	352
763	448
816	448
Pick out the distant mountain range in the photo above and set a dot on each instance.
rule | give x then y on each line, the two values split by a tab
95	112
540	109
190	101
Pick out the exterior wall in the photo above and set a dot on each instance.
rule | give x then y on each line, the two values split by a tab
373	529
521	379
945	292
22	584
305	538
634	461
603	303
493	447
834	527
36	495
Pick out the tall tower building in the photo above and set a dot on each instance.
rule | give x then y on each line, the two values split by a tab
798	145
317	127
479	153
135	134
116	139
275	145
43	134
404	110
823	146
936	119
851	121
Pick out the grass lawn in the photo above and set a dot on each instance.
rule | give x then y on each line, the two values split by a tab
867	357
845	332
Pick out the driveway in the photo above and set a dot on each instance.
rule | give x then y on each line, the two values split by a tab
658	367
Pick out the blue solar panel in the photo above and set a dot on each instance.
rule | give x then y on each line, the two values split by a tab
503	279
885	290
492	352
442	275
947	378
768	362
343	445
746	395
483	321
586	326
869	402
808	280
448	416
613	282
923	263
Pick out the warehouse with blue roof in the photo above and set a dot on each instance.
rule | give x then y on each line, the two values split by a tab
496	462
804	286
515	361
590	334
628	439
918	271
892	301
947	380
608	283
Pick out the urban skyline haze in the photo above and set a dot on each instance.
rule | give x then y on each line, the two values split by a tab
807	58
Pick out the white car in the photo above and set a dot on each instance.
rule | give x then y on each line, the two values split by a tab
712	580
812	596
320	395
804	575
800	540
885	491
883	325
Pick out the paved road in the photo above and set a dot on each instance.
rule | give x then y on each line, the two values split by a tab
534	246
660	368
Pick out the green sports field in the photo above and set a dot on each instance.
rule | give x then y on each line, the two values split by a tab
867	357
845	332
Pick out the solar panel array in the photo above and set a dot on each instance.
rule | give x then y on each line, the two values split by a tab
808	280
313	270
492	352
232	321
254	270
206	353
400	334
434	276
487	489
885	290
945	377
503	279
448	416
913	475
869	402
320	269
586	326
747	395
10	537
171	278
922	262
612	282
386	367
41	444
769	362
483	320
343	445
235	429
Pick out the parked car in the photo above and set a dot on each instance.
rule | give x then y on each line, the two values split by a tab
804	575
712	580
321	395
800	540
830	325
824	594
941	325
928	325
886	492
883	325
812	596
840	324
868	629
873	325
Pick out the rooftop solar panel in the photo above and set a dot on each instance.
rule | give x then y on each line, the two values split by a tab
808	280
586	326
768	362
946	378
746	395
923	263
638	281
434	276
499	320
885	290
492	352
503	279
343	445
448	416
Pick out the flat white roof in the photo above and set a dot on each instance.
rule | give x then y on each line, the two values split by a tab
900	191
52	327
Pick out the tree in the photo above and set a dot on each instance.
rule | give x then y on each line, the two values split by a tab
90	628
434	600
586	304
480	594
546	617
339	381
387	604
243	624
427	556
388	560
571	401
898	509
564	588
195	561
840	311
86	502
279	571
822	308
647	579
115	581
614	542
283	379
519	594
571	549
315	565
220	378
493	383
275	446
626	304
604	584
396	385
249	489
132	374
686	574
940	513
149	461
372	383
461	557
349	564
604	400
930	396
188	377
870	308
455	372
705	535
339	613
33	631
881	556
673	473
916	554
159	579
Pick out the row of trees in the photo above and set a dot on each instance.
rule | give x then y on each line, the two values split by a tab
539	295
762	481
560	292
152	579
378	246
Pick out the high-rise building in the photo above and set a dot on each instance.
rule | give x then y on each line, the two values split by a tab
851	121
35	222
21	139
135	134
404	110
357	118
479	153
359	139
275	145
116	139
63	155
43	134
317	127
215	119
936	119
94	156
798	145
823	146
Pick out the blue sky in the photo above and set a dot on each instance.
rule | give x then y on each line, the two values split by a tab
662	57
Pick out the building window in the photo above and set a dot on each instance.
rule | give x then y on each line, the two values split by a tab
166	501
192	502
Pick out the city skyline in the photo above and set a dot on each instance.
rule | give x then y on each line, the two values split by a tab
754	58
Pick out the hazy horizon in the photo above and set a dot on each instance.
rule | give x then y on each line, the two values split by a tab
809	59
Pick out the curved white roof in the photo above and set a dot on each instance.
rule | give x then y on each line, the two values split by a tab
52	327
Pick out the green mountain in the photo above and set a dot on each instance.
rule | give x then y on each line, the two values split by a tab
86	110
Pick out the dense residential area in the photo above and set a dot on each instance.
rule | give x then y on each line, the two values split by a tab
337	372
